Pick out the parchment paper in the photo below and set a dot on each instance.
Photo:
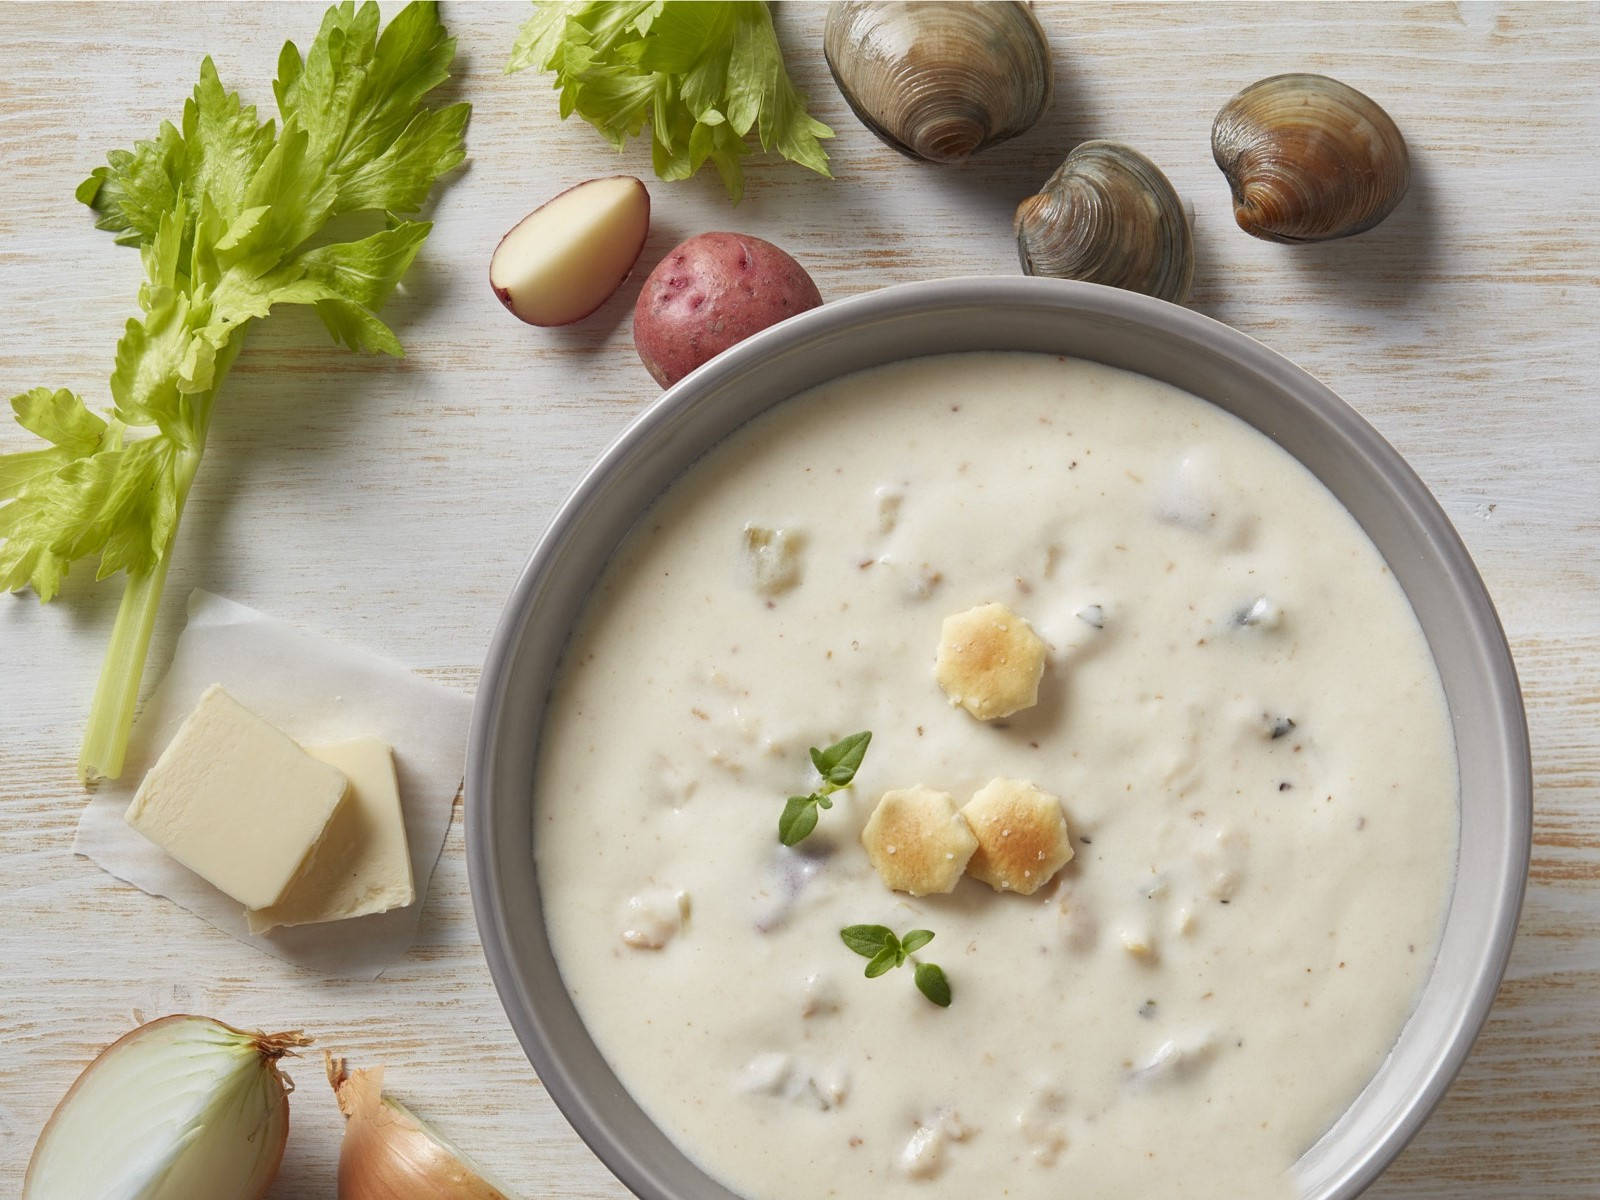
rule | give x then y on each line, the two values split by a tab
315	690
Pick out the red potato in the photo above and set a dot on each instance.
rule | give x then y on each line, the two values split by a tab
565	258
710	293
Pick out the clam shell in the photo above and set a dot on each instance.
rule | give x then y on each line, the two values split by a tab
1309	158
1108	215
939	81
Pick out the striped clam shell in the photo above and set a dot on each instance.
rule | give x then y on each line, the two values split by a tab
1108	215
939	81
1309	158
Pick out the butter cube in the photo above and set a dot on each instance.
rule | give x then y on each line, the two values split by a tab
362	864
236	801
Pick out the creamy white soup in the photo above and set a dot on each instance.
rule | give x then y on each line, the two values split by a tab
1238	712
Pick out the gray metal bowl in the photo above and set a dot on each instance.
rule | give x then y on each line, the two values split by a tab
1124	330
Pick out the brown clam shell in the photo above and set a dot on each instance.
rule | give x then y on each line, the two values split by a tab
1108	215
939	81
1309	158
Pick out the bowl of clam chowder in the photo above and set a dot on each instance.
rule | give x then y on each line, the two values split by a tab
998	736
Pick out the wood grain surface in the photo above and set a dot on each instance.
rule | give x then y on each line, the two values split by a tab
391	504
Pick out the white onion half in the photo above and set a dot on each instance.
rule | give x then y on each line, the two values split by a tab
181	1108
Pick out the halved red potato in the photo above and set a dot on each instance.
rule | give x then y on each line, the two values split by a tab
565	258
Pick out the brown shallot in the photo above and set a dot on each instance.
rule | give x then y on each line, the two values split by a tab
389	1153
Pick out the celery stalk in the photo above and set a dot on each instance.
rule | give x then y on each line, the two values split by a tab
232	216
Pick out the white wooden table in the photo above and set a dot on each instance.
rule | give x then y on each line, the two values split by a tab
390	504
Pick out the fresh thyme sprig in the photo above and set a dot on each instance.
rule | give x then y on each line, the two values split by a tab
837	765
885	951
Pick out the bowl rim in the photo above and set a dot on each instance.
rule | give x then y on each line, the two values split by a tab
485	877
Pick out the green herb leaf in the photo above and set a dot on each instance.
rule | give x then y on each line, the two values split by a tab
916	940
886	952
932	984
839	762
223	146
837	766
886	959
230	215
61	419
365	272
701	74
798	820
135	188
868	940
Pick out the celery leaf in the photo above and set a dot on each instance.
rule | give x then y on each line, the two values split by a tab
701	75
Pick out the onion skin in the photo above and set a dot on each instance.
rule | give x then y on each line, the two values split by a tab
388	1153
42	1181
